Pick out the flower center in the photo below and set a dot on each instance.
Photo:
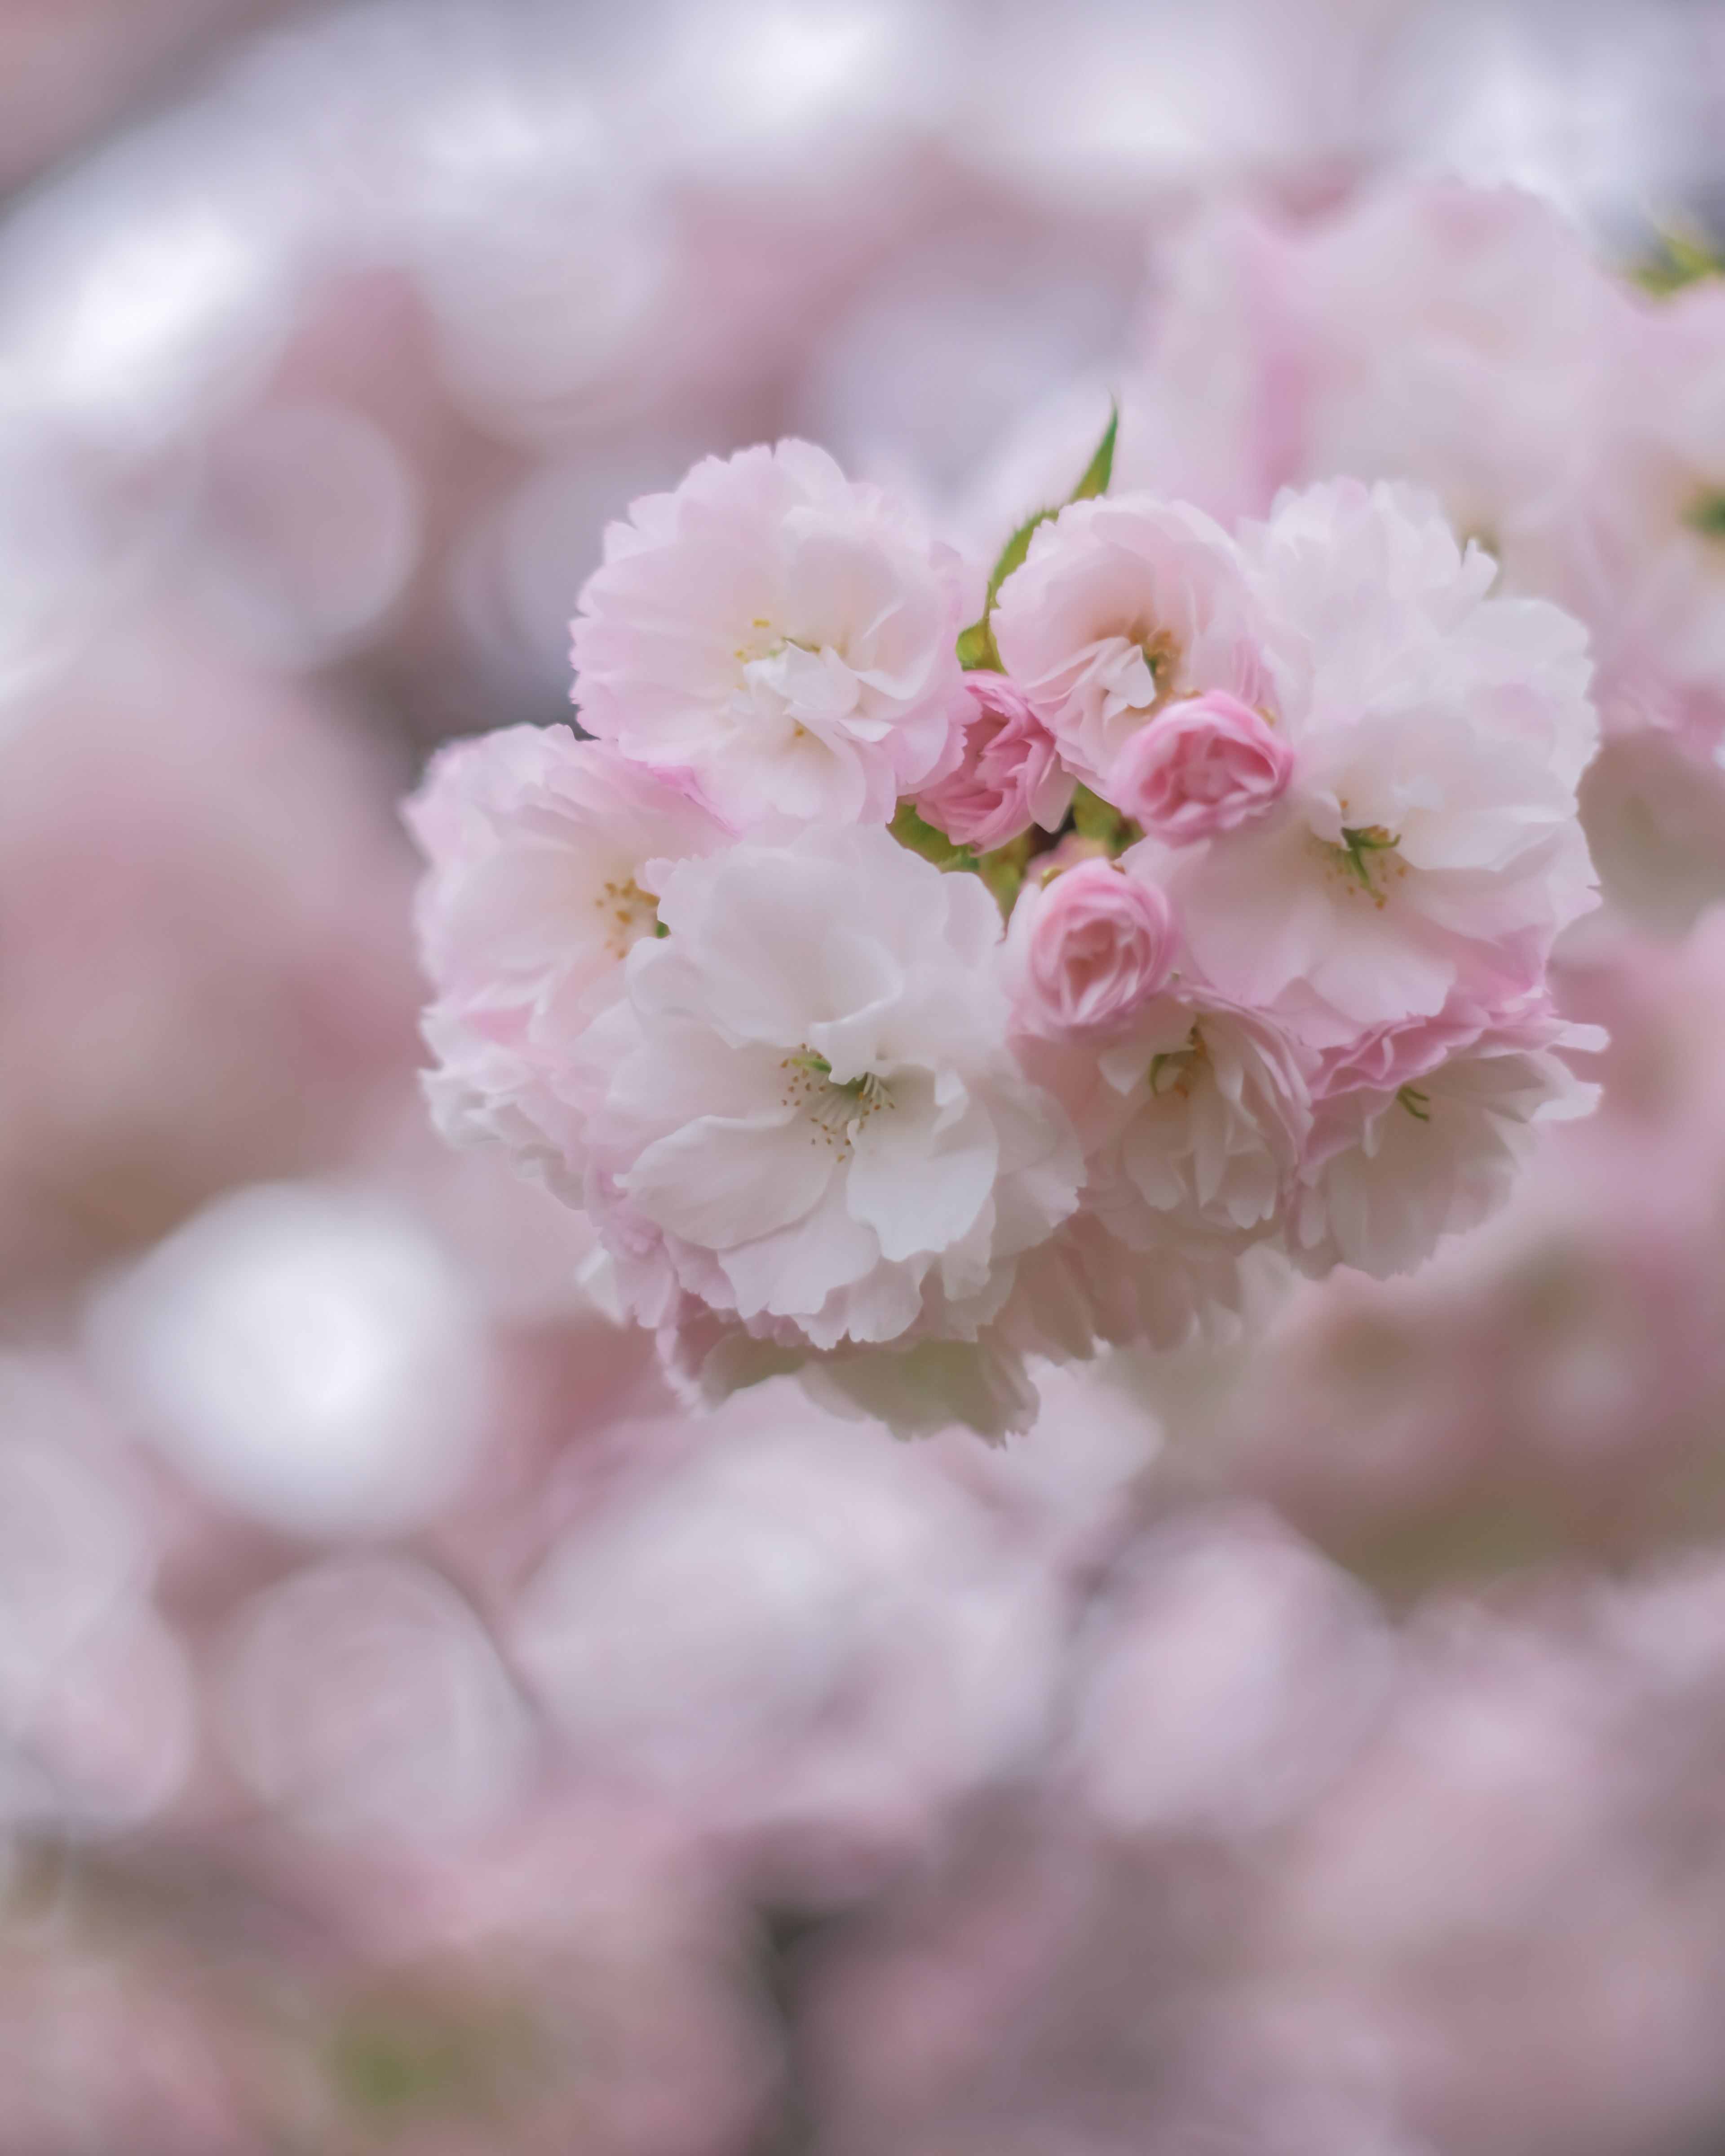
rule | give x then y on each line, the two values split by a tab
1174	1071
1366	861
1161	656
835	1112
629	913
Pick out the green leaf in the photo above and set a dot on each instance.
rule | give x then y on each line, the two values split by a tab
976	645
1012	555
1100	469
1707	516
1682	257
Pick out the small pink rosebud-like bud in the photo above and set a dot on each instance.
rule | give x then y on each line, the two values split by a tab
1209	764
1008	777
1088	948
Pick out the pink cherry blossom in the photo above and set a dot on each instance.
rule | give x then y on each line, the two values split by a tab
1121	606
545	854
1009	775
780	636
1088	948
1427	841
1210	764
1428	1138
1194	1121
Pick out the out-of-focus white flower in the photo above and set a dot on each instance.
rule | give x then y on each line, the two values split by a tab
804	1112
1226	1674
1455	337
362	1697
1123	605
800	1629
1635	543
306	1354
545	854
781	635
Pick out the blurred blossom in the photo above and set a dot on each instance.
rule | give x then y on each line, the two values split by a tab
97	1709
646	1786
801	1631
754	85
312	529
307	1354
362	1698
523	560
519	1250
161	808
1229	1672
122	330
104	2045
1070	1486
933	360
1574	122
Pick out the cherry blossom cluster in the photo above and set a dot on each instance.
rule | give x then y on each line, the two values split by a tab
915	977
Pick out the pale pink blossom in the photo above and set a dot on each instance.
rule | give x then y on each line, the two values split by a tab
1209	764
545	854
1194	1122
1427	842
1457	337
1421	1133
1087	948
1085	1287
782	637
914	1387
1635	541
805	1111
1008	777
1121	606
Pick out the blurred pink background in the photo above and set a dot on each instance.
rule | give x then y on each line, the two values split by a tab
416	1734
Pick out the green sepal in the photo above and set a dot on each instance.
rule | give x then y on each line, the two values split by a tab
917	837
1002	871
1357	845
976	645
1101	821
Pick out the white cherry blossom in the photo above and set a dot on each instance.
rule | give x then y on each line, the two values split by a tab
804	1112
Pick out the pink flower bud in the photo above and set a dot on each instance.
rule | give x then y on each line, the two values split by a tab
1008	777
1088	948
1206	765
